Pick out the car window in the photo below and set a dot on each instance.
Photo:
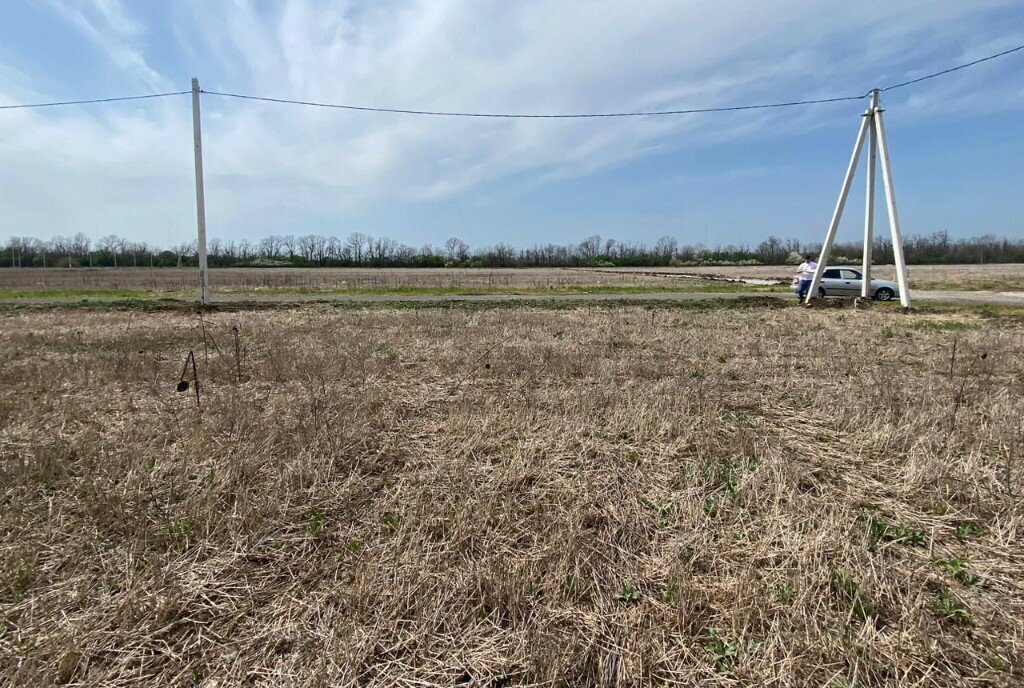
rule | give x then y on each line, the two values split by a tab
851	275
831	273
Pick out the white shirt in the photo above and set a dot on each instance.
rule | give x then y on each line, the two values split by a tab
807	269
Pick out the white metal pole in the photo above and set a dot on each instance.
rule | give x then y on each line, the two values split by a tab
869	205
894	218
838	214
197	134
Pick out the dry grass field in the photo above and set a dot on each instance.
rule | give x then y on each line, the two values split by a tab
315	279
127	282
512	496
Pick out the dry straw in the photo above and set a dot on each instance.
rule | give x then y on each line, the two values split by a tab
609	497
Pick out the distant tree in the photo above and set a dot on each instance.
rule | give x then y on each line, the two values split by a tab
772	251
589	248
245	249
12	247
666	249
355	243
289	244
215	248
456	250
111	245
62	245
81	247
270	247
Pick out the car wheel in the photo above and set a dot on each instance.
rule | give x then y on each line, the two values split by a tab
884	294
821	292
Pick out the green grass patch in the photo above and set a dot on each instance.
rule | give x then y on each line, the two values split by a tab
848	592
554	303
946	325
77	293
879	530
505	290
970	285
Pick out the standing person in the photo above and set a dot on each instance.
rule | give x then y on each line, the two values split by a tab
805	273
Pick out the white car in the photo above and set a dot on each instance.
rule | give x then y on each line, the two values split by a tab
847	282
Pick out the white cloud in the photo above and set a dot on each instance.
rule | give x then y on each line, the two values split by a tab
267	163
107	25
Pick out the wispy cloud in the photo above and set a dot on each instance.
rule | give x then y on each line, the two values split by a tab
476	55
109	27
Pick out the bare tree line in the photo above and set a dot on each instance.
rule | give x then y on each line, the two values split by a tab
360	249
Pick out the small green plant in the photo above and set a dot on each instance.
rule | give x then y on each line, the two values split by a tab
353	546
391	520
664	511
671	594
383	351
560	335
22	579
956	568
315	520
571	585
949	608
785	593
722	474
997	663
723	653
965	530
849	592
880	530
628	593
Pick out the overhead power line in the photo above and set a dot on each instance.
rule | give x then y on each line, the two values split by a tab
588	115
93	100
953	69
690	111
436	113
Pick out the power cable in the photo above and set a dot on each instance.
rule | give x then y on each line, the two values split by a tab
436	113
609	114
953	69
94	100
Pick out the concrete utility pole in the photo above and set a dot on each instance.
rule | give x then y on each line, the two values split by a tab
837	214
871	123
869	201
894	218
197	134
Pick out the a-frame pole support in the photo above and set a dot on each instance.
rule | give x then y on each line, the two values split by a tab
872	127
837	215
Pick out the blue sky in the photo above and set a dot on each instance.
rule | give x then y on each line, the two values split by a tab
957	141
